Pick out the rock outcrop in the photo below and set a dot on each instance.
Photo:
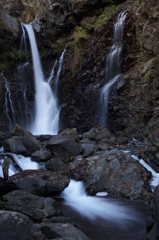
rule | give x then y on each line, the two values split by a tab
37	182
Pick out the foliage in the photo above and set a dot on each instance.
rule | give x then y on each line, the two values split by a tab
105	16
138	1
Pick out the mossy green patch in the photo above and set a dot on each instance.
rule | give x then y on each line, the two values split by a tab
105	17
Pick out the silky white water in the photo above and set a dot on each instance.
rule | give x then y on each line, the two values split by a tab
155	176
93	207
113	67
9	109
46	110
25	163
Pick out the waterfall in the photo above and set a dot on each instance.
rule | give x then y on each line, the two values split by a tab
52	73
59	71
113	67
9	110
46	109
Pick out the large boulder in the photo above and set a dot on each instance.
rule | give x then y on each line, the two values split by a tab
97	133
64	145
114	172
42	155
15	225
26	141
15	145
59	231
37	182
33	206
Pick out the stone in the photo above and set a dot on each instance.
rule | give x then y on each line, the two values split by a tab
61	231
29	141
37	182
64	146
2	136
72	132
112	171
97	133
45	137
33	206
15	145
54	164
15	226
42	155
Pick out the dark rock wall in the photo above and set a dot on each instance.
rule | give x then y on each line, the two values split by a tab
85	29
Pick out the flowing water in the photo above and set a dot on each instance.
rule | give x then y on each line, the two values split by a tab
113	67
104	218
8	106
59	71
46	109
20	163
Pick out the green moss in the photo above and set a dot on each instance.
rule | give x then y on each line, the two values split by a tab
80	35
89	24
35	10
105	16
2	66
148	75
138	1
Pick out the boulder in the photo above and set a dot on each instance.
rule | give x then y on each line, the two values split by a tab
15	226
45	137
88	149
64	145
112	171
42	155
54	164
29	141
97	133
33	206
15	145
71	132
37	182
59	231
2	136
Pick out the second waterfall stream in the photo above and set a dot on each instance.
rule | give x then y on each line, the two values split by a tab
113	67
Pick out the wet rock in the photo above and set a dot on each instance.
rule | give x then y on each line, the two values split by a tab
33	206
54	164
64	146
37	182
60	230
2	136
15	145
29	141
42	155
87	141
71	132
15	225
88	149
58	220
97	133
122	140
45	137
114	172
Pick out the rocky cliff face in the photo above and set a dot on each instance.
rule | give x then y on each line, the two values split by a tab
85	29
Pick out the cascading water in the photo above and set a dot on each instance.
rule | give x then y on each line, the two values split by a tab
9	110
46	109
113	67
52	73
59	71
